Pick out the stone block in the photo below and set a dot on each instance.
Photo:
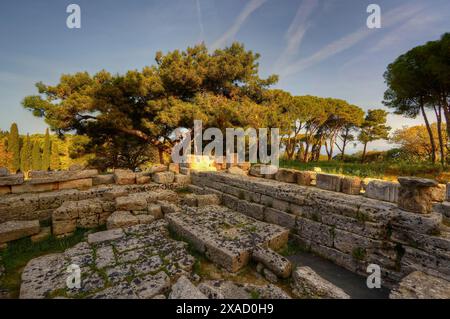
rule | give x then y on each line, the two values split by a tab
286	175
308	284
278	264
415	194
5	190
163	177
106	179
424	224
305	178
124	177
174	167
27	187
438	193
448	192
209	199
235	170
278	217
45	233
185	171
255	170
382	190
106	235
182	180
13	230
329	182
145	219
44	177
120	219
131	203
184	289
158	168
351	185
155	211
142	179
9	180
63	227
418	285
76	184
4	171
251	209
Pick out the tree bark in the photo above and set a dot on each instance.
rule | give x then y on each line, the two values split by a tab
438	113
363	157
430	133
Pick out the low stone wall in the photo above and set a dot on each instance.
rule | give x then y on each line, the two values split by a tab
351	230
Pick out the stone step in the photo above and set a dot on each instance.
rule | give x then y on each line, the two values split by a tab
13	230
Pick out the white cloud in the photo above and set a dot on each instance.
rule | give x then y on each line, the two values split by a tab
252	6
296	32
389	19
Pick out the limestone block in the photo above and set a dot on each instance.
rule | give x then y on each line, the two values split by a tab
255	170
308	284
382	190
438	193
158	168
278	217
143	179
14	179
235	170
209	199
106	179
124	177
415	194
189	200
184	289
121	219
251	209
418	285
155	211
424	224
145	219
131	203
448	192
182	180
163	177
329	182
27	187
77	184
286	175
106	235
174	167
305	178
4	171
278	264
62	227
185	171
351	185
5	190
43	177
13	230
314	231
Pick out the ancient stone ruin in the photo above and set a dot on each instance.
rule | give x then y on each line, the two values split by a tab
150	231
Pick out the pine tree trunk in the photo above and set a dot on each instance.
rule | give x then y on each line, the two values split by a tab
430	134
363	157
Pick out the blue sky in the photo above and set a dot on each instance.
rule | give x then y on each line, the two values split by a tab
318	47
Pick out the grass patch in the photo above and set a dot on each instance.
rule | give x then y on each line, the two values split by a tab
19	252
290	249
183	190
359	253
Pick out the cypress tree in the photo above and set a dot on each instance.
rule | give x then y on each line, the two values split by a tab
36	162
46	152
14	148
25	155
54	157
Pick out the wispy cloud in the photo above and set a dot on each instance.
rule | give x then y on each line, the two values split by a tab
389	19
200	20
252	6
296	32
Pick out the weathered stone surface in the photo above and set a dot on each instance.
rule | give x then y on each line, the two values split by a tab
448	192
329	182
184	289
278	264
13	230
235	170
27	187
223	289
155	211
131	203
382	190
5	190
351	185
185	171
226	237
255	170
14	179
418	285
143	179
120	219
305	178
65	227
145	219
182	180
124	177
438	193
106	235
190	200
45	233
278	217
76	167
204	200
286	175
415	194
78	184
105	179
163	177
158	168
308	284
443	208
425	224
43	177
174	167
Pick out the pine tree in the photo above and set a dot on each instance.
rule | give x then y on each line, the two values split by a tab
14	148
5	156
55	163
46	152
36	162
25	155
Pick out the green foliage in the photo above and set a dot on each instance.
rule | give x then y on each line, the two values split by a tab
55	163
359	253
25	155
14	147
46	152
36	161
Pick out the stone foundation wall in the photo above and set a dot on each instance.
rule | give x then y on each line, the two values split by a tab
351	230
